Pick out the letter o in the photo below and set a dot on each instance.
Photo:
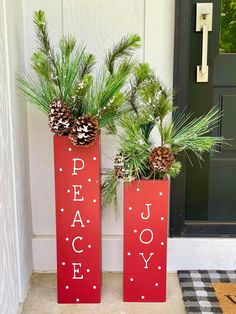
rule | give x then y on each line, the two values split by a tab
141	233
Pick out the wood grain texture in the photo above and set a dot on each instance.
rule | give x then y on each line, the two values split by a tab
15	221
9	288
159	37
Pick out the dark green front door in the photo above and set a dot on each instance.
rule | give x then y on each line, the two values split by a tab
203	200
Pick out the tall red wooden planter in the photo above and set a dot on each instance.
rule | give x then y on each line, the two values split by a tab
77	189
145	240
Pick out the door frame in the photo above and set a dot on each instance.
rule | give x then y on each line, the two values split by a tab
178	226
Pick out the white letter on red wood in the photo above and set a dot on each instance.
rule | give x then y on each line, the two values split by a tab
73	244
146	260
141	233
75	168
76	270
78	218
76	192
148	212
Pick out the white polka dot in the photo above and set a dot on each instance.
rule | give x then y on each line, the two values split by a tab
89	180
131	279
135	230
94	287
138	189
67	239
130	208
162	243
62	209
88	270
88	221
67	287
142	297
156	284
60	169
129	253
68	191
94	201
89	246
63	263
159	267
77	300
160	193
162	218
70	149
94	158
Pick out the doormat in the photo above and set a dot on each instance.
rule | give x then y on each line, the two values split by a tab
198	292
226	294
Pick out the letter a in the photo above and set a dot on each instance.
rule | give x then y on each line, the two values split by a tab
78	218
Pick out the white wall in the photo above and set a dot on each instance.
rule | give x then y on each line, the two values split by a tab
15	214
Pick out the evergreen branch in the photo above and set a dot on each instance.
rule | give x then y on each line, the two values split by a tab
109	189
87	65
67	46
105	99
175	169
124	48
43	39
192	134
37	92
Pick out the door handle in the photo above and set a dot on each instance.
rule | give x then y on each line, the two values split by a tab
204	25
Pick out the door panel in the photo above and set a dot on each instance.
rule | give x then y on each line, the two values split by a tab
205	196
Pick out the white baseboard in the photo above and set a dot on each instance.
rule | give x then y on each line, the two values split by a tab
183	253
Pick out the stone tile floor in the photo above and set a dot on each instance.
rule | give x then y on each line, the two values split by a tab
42	299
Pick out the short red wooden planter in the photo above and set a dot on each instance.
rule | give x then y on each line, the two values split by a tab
77	188
145	240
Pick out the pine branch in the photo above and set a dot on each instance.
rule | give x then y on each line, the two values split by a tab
124	48
87	65
142	76
192	135
67	46
43	39
37	92
109	189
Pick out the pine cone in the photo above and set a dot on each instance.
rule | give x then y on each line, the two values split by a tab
161	159
84	131
60	118
122	171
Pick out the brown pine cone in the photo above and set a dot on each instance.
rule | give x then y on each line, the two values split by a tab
161	159
84	131
60	118
122	171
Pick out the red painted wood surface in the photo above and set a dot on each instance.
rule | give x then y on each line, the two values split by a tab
77	189
145	240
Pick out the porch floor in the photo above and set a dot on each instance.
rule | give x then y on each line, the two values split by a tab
42	298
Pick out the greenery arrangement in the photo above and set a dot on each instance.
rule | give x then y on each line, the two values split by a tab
64	87
149	104
78	104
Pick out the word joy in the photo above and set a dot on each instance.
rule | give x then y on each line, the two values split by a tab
147	234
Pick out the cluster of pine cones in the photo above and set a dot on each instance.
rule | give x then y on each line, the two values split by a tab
81	131
122	170
160	160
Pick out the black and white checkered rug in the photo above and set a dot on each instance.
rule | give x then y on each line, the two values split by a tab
198	294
